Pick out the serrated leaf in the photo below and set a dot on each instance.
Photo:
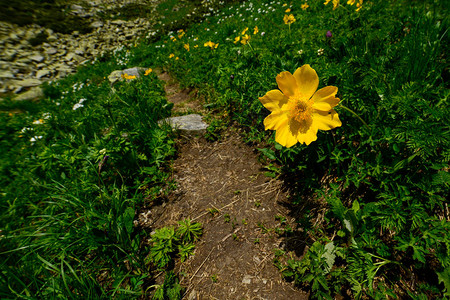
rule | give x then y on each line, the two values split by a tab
329	256
348	225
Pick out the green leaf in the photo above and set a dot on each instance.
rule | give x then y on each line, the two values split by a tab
329	256
444	277
269	153
128	218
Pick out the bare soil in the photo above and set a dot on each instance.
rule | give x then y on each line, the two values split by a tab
222	185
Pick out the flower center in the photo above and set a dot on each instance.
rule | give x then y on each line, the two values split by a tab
301	111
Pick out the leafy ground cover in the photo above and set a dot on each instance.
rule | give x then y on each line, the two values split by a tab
76	167
369	197
372	193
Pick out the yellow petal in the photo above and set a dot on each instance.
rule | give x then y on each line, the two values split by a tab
284	136
326	120
307	80
287	83
274	100
324	99
304	132
275	120
309	136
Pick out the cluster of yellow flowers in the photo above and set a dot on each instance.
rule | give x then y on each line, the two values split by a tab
298	109
128	77
181	33
244	38
171	55
349	2
212	45
289	19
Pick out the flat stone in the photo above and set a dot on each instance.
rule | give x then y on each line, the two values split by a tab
79	51
37	58
27	82
192	123
51	51
42	73
97	24
118	22
52	38
6	74
33	93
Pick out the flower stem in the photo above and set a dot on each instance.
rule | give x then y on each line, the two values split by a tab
355	114
251	48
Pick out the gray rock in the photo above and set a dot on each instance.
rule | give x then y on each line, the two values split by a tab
97	24
118	22
190	124
117	74
6	74
51	51
52	38
33	93
42	73
9	54
26	83
79	51
37	58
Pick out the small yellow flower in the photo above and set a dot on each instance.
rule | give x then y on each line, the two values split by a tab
148	71
351	2
335	4
305	6
359	5
195	46
289	19
298	109
212	45
245	39
171	55
255	30
287	10
326	2
284	4
173	39
236	39
181	33
244	31
186	46
177	58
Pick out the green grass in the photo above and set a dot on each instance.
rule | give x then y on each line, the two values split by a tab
382	178
75	170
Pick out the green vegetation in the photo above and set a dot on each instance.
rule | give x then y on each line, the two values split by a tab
382	176
75	170
373	191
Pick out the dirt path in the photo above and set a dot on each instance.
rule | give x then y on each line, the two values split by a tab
221	184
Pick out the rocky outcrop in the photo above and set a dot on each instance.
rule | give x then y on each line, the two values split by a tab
23	66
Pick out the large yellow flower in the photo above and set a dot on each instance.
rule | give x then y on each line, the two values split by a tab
299	110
